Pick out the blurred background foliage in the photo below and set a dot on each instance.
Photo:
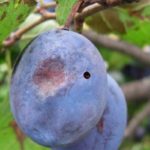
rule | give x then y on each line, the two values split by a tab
130	23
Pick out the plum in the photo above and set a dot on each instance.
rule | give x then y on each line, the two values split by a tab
107	135
59	88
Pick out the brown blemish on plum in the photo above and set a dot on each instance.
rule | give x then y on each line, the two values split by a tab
49	75
100	125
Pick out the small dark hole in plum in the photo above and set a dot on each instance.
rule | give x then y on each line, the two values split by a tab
87	75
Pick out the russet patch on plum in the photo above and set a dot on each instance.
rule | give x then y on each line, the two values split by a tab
50	76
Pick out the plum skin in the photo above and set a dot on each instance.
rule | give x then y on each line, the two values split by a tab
51	100
109	135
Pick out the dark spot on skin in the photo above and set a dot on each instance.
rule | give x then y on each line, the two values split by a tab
100	125
102	129
49	74
87	75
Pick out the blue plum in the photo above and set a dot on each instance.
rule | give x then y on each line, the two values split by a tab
59	88
107	135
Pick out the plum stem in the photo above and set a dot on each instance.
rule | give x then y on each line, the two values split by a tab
72	14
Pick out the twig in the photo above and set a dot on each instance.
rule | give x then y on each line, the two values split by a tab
15	36
77	8
4	2
45	15
137	90
119	46
100	5
96	6
88	11
137	119
72	14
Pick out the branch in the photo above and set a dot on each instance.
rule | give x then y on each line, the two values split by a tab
45	15
15	36
119	46
137	90
96	6
88	11
100	5
72	14
137	119
79	17
4	2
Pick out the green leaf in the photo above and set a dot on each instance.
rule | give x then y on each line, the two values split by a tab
30	145
139	35
146	11
63	10
137	29
11	16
